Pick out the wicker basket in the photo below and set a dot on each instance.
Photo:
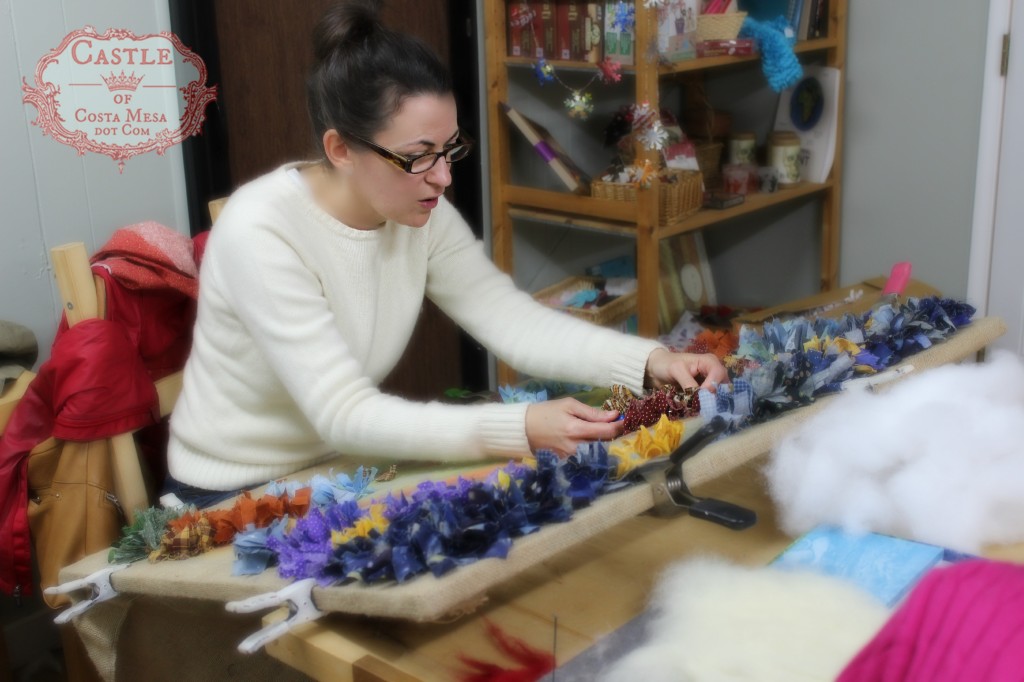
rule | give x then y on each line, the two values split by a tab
677	198
610	314
709	160
719	26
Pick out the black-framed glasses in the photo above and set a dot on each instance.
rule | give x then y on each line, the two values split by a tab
421	163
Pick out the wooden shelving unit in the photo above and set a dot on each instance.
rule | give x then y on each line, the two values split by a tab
639	219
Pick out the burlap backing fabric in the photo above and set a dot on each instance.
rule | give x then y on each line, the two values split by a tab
208	577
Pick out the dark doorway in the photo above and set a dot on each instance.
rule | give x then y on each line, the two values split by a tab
258	55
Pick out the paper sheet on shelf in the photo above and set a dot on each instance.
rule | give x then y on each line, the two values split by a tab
811	110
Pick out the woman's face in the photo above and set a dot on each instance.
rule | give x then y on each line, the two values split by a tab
425	123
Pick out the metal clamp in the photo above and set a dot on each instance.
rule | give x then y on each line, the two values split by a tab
102	590
672	496
873	382
299	598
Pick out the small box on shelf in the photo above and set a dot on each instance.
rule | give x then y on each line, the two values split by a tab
734	47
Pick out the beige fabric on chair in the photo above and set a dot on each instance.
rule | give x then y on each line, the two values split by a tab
81	493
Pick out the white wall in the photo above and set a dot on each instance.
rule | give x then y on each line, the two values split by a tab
48	194
913	109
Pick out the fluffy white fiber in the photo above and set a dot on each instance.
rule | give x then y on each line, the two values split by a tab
717	622
937	458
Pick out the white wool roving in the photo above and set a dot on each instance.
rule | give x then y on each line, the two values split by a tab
717	622
937	458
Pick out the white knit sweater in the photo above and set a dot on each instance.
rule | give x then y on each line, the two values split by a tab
300	317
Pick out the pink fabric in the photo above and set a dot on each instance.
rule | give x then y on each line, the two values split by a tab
962	622
151	256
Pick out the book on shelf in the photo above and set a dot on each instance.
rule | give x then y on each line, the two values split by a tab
677	29
804	21
574	179
545	29
819	29
795	8
593	32
618	39
520	29
570	20
813	22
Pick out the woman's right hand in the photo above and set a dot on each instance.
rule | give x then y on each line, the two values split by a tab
561	425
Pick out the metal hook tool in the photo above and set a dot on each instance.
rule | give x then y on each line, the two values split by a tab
102	590
299	598
672	495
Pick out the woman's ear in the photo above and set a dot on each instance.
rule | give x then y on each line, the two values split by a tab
336	149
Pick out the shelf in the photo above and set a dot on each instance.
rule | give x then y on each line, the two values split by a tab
574	221
696	64
563	202
513	203
753	203
619	217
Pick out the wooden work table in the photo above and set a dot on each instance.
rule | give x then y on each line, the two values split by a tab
594	574
595	587
593	590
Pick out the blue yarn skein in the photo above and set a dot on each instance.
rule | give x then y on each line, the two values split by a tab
778	61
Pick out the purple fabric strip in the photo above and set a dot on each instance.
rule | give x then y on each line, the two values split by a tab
544	149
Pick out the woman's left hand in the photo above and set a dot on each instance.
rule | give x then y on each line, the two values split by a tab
684	369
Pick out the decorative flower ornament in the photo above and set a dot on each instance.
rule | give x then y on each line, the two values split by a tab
610	70
654	137
544	72
647	127
655	4
580	104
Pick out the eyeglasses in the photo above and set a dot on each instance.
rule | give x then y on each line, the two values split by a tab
421	163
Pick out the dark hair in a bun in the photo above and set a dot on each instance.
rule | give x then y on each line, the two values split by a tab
364	71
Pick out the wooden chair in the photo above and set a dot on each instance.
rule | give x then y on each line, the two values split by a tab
83	297
215	207
10	396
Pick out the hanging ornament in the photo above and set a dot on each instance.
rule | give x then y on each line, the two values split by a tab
580	104
655	4
647	174
654	137
610	70
643	116
648	128
544	72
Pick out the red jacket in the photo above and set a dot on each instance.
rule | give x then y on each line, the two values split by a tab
98	381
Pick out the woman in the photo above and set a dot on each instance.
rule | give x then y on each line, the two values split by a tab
315	274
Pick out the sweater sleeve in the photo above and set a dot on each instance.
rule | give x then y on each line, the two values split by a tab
522	332
280	303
